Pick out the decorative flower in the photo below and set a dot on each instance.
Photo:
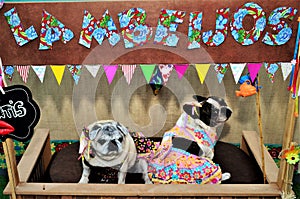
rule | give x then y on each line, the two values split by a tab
172	40
283	36
292	155
160	33
221	22
143	31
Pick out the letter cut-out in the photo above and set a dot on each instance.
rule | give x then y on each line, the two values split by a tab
134	29
194	32
279	26
91	27
221	32
248	37
167	25
21	36
53	30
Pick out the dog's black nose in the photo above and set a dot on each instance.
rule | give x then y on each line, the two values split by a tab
112	146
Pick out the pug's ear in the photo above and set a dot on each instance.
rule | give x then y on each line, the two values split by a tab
94	131
199	98
192	111
122	129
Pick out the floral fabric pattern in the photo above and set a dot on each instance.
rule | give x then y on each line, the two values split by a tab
53	30
279	26
133	27
22	37
194	31
91	27
241	35
271	69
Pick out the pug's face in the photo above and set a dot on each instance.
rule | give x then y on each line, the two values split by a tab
212	111
107	138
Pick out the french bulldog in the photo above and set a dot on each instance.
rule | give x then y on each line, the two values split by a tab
108	143
188	147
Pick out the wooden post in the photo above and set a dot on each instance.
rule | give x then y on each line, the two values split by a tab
11	163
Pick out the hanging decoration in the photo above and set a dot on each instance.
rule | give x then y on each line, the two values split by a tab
221	69
194	31
202	70
40	72
92	28
286	69
271	69
237	70
133	27
53	30
8	72
181	69
275	22
128	71
221	32
253	69
147	70
110	71
291	155
248	37
156	81
166	70
58	71
246	88
24	72
167	26
93	69
75	72
21	36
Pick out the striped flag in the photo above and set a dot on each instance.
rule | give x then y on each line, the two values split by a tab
24	72
128	71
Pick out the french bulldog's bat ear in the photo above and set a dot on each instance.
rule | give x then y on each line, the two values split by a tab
122	129
199	98
192	111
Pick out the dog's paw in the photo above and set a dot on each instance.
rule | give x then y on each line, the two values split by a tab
84	180
225	176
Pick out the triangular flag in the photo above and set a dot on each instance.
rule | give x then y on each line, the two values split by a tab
147	70
110	71
128	71
23	71
286	69
9	72
271	69
93	69
237	70
181	69
156	81
75	71
40	72
58	71
253	69
165	70
221	69
202	70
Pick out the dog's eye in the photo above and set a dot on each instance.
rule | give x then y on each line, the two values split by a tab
100	141
120	139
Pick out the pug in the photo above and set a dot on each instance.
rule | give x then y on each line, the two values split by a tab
108	143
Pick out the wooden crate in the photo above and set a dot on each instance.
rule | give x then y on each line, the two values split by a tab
36	159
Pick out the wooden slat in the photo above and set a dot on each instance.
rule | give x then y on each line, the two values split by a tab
140	190
252	140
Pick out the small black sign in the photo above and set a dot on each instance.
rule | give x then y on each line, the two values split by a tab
19	113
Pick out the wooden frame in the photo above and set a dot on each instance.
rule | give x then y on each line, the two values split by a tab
38	155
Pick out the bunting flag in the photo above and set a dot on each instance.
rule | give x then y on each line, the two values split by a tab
23	71
221	69
128	71
40	72
147	70
202	70
75	71
58	71
271	69
181	69
93	69
286	69
9	72
110	71
237	70
156	81
253	69
166	70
